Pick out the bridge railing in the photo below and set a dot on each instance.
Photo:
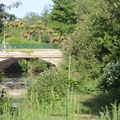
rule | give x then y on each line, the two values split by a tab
29	46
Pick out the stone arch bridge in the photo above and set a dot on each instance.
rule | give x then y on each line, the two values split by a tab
10	55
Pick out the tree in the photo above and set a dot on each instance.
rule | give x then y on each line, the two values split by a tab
31	18
63	16
106	32
82	45
5	17
95	42
110	80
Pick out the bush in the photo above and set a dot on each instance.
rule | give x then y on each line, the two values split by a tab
15	40
91	86
110	80
45	38
50	86
36	65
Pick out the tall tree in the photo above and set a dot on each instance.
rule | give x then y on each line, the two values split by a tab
96	40
63	16
6	16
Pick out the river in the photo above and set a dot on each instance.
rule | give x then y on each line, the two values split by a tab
14	86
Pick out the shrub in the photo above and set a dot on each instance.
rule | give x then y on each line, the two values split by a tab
36	65
50	86
15	40
110	80
91	86
45	38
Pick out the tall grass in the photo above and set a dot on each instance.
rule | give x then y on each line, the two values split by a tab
66	109
31	109
113	114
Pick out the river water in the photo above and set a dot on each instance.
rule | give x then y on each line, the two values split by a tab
14	86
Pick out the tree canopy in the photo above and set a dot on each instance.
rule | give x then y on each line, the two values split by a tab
63	17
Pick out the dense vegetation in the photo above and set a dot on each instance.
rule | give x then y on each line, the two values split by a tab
89	37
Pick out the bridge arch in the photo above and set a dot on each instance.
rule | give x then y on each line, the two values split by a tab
53	56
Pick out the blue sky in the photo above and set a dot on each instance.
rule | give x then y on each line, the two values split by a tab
27	6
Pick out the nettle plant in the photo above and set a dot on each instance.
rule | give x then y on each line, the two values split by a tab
110	80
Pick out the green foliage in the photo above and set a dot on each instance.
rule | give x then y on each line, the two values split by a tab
38	65
4	16
106	33
95	41
50	86
32	109
90	86
110	80
63	16
4	104
34	66
24	65
31	18
113	114
45	38
83	45
14	40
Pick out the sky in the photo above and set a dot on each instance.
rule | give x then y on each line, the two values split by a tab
28	6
